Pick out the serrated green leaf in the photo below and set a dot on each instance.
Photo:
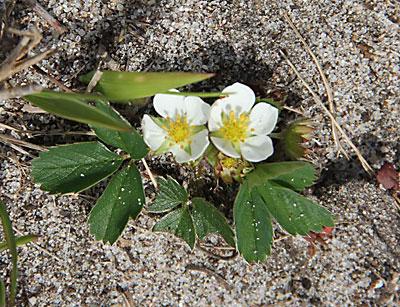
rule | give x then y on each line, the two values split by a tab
208	219
12	246
74	167
171	195
253	225
294	212
294	174
19	241
180	223
129	141
74	106
126	86
122	199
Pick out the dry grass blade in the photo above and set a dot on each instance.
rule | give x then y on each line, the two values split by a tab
328	88
153	180
93	82
318	100
13	141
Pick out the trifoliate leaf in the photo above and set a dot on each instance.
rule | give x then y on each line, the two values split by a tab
180	223
129	141
253	225
74	167
207	219
122	199
294	212
294	174
74	106
171	195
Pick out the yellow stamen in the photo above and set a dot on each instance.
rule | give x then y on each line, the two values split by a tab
178	130
234	128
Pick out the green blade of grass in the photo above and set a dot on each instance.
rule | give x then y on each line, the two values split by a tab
12	246
2	294
19	241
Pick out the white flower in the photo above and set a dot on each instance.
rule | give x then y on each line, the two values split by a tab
181	130
237	129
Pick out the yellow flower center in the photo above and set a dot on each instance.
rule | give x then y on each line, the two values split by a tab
228	162
235	129
178	130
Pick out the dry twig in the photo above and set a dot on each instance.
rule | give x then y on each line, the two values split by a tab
41	11
51	78
203	269
14	63
328	88
318	100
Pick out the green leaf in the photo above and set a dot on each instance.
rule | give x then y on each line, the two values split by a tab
129	141
171	195
122	199
2	294
126	86
294	212
207	219
294	174
180	223
253	225
74	167
275	103
19	241
75	107
198	94
12	246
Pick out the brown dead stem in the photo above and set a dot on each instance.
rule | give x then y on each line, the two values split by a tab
14	63
318	100
327	86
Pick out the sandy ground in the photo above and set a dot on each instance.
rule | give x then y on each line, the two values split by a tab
358	45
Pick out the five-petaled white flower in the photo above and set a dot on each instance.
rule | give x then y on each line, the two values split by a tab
237	129
181	130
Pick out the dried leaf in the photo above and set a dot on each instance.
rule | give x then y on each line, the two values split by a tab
388	177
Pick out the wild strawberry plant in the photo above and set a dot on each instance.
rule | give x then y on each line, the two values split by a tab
233	135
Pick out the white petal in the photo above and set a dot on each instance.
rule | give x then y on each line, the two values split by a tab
181	156
263	118
225	147
153	134
199	145
241	100
169	105
215	120
197	110
257	148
